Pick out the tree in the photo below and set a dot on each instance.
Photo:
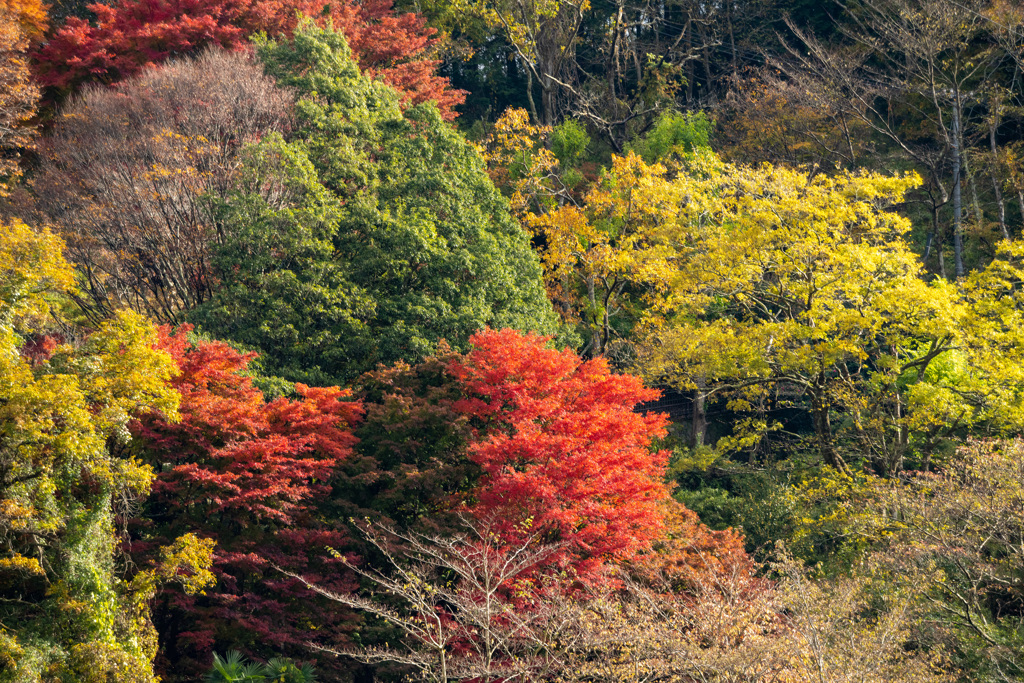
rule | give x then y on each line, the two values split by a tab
561	449
130	35
472	606
21	24
516	476
738	629
768	118
957	535
594	233
600	253
410	467
544	37
67	482
29	15
791	289
249	474
913	71
128	176
367	236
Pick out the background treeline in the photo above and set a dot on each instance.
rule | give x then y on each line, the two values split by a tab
326	327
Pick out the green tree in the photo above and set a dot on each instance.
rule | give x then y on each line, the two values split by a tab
367	235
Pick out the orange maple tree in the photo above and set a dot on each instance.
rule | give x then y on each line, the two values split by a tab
562	449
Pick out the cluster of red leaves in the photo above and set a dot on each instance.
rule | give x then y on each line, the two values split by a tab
39	348
130	35
562	451
238	451
248	473
540	442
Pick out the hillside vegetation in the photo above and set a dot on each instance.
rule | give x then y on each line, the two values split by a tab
562	341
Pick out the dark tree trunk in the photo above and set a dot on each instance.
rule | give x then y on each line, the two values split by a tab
700	417
823	431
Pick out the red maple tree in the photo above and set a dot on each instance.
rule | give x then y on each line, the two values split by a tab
247	473
562	449
130	35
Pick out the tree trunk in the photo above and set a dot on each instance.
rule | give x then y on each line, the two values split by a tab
732	40
996	185
823	430
700	417
614	71
548	101
1020	200
596	348
707	59
978	216
529	95
958	228
689	64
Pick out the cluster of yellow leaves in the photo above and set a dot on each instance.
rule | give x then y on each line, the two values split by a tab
21	22
610	242
99	662
32	273
29	15
187	561
61	410
519	163
61	406
612	237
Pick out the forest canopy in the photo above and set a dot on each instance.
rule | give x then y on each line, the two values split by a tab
501	341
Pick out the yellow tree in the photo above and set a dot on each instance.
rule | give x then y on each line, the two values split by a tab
64	478
596	233
796	290
520	163
21	23
601	254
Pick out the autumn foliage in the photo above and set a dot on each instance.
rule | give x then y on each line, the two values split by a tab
246	472
130	35
22	22
128	174
561	448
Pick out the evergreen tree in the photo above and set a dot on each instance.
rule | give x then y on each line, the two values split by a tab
366	236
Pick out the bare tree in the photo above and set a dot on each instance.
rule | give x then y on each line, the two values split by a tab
916	59
959	537
471	607
766	117
129	173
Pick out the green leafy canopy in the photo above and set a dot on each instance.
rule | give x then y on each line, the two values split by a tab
368	234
